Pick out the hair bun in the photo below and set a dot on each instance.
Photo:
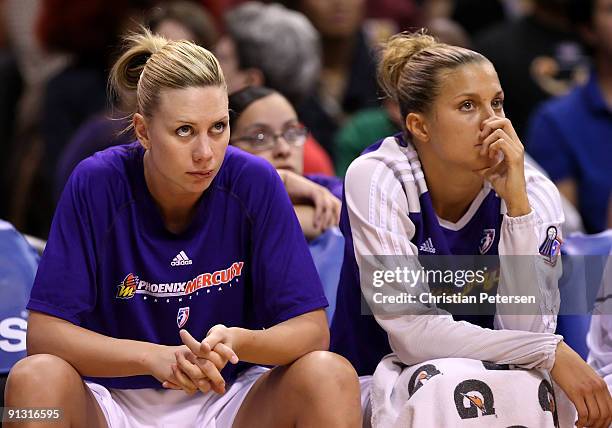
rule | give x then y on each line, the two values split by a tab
128	68
396	53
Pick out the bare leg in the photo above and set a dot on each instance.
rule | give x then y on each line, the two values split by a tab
48	381
321	389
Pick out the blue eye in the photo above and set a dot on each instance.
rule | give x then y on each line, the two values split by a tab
219	127
498	103
466	105
184	131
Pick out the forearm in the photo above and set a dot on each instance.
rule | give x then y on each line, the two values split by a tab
90	353
305	215
285	342
417	338
525	273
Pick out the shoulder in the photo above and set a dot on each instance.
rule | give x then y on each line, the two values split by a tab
250	180
388	169
106	173
242	171
543	196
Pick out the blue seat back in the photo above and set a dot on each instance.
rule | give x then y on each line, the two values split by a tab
583	265
327	251
18	264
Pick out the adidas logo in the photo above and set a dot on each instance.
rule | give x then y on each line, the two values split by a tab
181	259
428	247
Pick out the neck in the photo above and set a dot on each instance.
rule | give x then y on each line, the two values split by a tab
604	77
176	211
452	189
337	53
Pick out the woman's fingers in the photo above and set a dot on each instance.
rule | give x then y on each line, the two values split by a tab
318	199
226	353
171	385
592	409
602	398
183	381
198	348
500	135
190	369
581	408
213	375
494	122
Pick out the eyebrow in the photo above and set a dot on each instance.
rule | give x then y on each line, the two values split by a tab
264	125
189	122
475	95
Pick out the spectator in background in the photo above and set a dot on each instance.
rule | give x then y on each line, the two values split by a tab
270	45
184	20
536	56
265	124
89	31
177	20
570	137
348	78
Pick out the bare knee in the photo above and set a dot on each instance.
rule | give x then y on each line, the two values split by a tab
323	374
41	374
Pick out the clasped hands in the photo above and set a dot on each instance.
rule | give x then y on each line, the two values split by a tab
198	365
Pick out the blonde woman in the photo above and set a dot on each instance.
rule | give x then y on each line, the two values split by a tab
168	239
455	183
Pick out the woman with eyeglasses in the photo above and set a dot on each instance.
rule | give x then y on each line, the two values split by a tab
265	124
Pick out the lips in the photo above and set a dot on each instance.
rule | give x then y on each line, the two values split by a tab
201	174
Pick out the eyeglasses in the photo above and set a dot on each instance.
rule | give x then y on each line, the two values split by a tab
266	139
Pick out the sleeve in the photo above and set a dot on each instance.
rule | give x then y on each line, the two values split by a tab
378	212
529	250
65	284
286	283
599	337
546	144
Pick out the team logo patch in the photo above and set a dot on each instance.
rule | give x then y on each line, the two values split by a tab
182	316
488	236
127	288
551	247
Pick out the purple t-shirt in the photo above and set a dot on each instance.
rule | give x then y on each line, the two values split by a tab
112	267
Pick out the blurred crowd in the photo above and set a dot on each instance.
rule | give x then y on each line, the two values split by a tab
553	57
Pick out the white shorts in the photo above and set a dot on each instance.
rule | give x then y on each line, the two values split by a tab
165	408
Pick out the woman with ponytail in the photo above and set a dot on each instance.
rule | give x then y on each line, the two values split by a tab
454	183
171	257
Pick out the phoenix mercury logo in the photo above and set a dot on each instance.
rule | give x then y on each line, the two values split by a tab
132	284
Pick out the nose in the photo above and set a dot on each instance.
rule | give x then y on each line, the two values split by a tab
487	113
202	151
281	147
